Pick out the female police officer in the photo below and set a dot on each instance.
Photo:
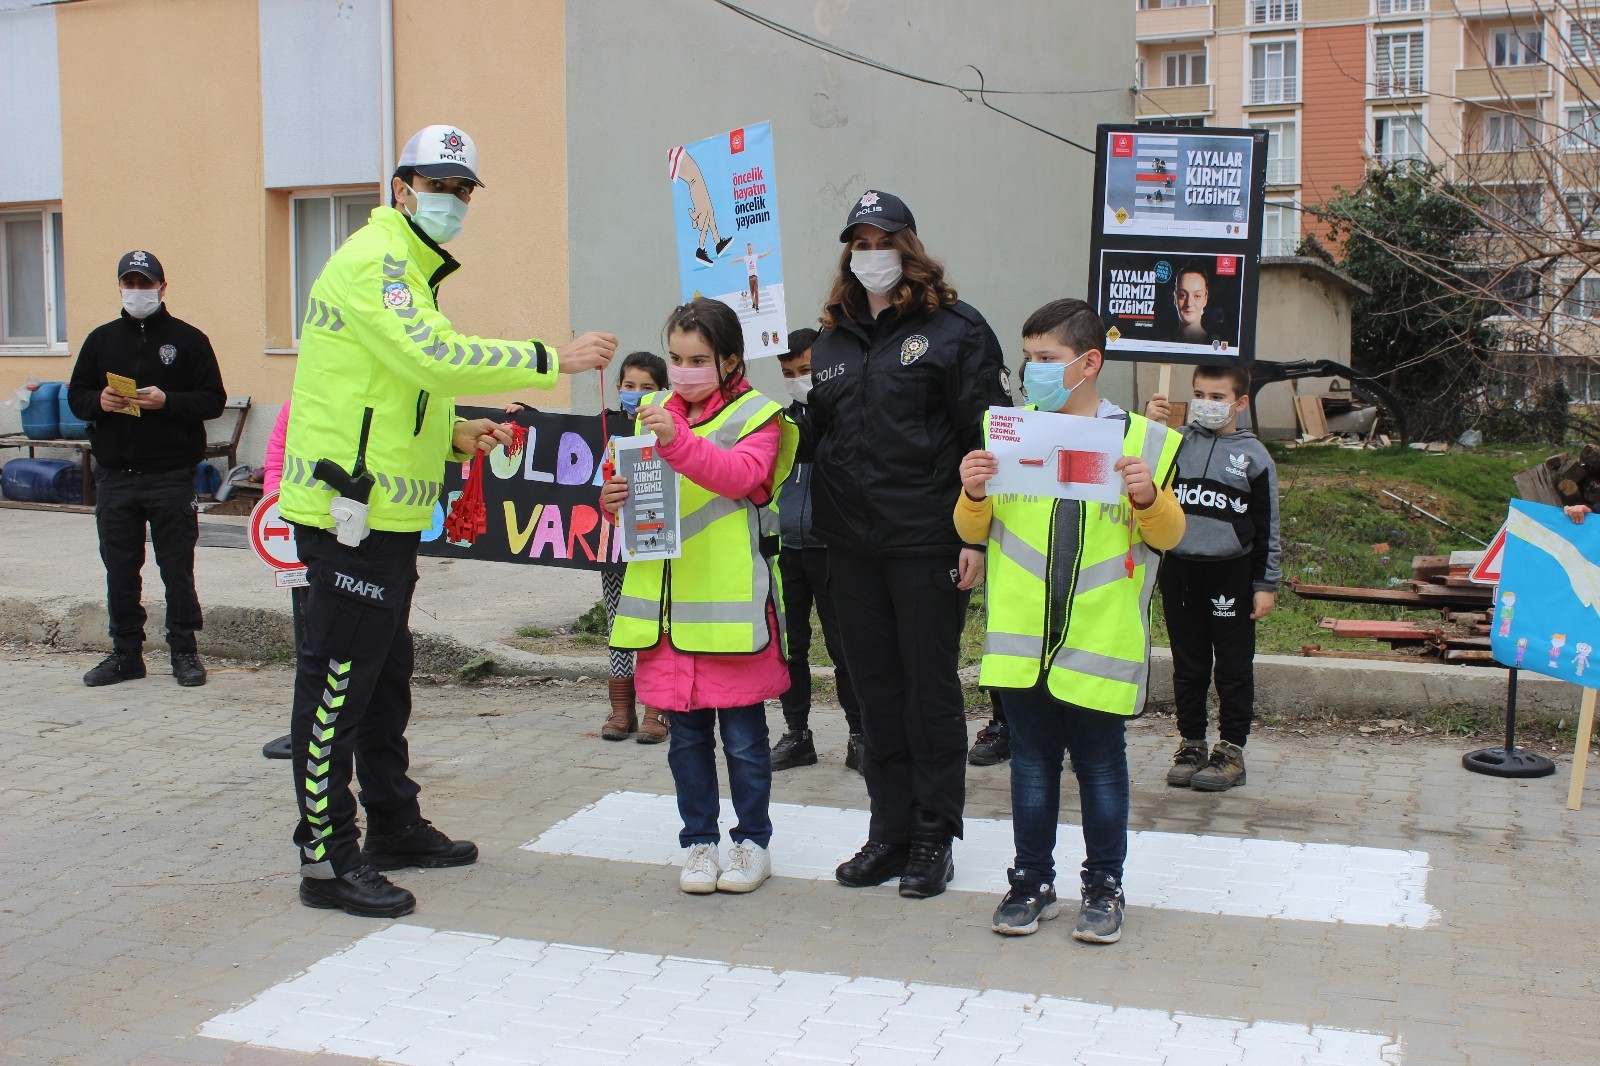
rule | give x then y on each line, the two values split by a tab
902	374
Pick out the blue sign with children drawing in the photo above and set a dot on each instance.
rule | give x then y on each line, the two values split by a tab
725	203
1547	605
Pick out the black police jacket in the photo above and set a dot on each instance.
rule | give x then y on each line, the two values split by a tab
162	351
894	406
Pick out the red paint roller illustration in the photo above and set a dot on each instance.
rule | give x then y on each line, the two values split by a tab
1074	468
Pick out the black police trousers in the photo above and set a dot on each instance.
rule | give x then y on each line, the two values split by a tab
1207	605
900	621
126	503
806	581
352	695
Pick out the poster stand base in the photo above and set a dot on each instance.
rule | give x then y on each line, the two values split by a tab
1508	760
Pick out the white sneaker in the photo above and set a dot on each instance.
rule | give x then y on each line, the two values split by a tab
749	865
701	870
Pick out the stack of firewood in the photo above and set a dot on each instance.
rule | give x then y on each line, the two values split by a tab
1563	480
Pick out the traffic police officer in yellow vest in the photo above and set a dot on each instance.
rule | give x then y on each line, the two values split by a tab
371	429
1068	640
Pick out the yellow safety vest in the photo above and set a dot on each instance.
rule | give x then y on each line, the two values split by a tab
1101	657
714	597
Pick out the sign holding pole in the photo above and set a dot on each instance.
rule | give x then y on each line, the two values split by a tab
1175	242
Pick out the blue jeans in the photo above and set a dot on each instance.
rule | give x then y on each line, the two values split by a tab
1042	727
692	754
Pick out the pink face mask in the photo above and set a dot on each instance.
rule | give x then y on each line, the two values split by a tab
693	383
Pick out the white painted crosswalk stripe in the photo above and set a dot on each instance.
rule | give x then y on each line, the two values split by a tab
1253	877
413	996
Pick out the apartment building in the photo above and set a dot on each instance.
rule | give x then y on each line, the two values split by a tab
1342	84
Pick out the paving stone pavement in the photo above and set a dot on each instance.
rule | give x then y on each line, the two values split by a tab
148	898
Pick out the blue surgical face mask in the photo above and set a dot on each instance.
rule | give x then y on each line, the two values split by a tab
440	215
1043	383
630	401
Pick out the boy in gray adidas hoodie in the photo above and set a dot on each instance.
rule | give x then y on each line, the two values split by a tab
1222	577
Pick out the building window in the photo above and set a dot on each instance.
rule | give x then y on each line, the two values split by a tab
1515	48
1274	73
1515	206
1583	38
1168	120
1583	128
1153	5
1402	7
1280	228
1396	138
1517	292
1508	131
1582	212
1397	66
33	306
1283	155
320	223
1582	300
1184	68
1263	12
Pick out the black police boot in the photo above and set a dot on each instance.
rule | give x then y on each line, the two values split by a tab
931	865
117	667
363	892
795	748
874	864
852	752
188	669
417	845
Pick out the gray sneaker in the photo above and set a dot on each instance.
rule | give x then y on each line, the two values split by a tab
1191	758
1224	771
1100	917
1029	902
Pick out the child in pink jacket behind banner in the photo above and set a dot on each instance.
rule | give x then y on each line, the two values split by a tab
273	466
704	689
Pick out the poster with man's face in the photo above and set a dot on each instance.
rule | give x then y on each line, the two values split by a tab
1175	305
1175	247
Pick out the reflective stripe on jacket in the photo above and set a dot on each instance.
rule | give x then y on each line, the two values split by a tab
714	597
374	344
1098	654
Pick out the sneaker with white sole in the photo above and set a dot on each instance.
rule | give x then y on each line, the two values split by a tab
749	864
701	870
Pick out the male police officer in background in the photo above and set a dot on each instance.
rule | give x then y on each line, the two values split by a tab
144	466
373	422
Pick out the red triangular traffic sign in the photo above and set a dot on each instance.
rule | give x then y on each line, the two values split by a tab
1487	572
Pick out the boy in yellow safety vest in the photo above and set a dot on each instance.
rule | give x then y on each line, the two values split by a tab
1068	633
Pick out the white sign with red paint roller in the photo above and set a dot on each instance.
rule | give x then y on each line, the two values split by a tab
1067	457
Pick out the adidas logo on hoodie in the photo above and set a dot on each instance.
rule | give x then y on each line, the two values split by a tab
1195	496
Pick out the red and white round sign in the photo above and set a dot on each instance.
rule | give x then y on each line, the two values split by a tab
271	536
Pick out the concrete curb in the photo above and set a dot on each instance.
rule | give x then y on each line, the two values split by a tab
1287	686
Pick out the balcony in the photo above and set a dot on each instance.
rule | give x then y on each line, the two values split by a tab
1175	100
1282	171
1395	84
1174	23
1281	90
1502	83
1489	9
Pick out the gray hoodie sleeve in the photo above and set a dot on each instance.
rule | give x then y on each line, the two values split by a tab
1266	553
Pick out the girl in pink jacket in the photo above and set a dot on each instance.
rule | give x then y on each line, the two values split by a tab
706	372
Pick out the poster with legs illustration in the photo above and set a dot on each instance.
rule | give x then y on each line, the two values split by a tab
725	209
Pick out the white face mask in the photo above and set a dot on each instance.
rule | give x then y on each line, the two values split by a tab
799	388
1210	414
876	270
141	303
440	215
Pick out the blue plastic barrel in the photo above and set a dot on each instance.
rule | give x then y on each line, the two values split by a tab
42	481
41	419
71	426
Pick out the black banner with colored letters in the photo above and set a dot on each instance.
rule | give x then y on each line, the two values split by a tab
543	506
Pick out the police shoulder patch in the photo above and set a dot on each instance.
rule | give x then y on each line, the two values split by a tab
913	348
396	295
